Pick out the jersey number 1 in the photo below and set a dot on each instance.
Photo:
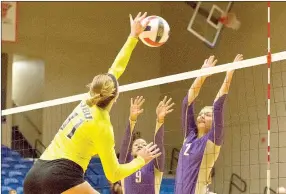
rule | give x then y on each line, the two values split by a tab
74	127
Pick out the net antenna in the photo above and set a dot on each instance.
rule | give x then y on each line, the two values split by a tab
209	19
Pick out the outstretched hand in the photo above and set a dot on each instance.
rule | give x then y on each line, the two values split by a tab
238	57
135	107
136	24
210	62
149	152
164	108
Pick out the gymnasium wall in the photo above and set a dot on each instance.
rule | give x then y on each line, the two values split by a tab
27	88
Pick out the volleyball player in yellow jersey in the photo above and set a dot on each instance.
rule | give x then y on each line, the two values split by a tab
87	132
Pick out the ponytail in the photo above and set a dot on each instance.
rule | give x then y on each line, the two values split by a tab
93	100
102	90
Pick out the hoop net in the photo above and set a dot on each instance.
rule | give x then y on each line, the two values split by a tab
230	20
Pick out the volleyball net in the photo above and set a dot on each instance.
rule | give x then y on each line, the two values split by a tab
242	163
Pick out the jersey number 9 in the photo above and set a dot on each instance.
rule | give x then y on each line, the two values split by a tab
138	178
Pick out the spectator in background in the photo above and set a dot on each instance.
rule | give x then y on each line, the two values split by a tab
12	191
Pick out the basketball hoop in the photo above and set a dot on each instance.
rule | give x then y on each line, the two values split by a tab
230	21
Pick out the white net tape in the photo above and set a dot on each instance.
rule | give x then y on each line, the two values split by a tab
155	82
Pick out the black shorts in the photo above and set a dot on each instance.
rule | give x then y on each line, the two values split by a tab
53	177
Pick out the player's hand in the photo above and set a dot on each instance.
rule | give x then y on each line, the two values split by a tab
149	152
135	107
238	57
118	188
210	62
136	24
164	108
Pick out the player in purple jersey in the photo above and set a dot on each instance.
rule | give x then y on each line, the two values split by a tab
148	179
203	136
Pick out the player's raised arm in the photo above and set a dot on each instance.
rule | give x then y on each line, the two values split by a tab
112	169
162	110
135	111
196	86
216	132
226	83
188	117
122	59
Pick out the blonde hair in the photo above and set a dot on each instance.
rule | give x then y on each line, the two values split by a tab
207	107
102	90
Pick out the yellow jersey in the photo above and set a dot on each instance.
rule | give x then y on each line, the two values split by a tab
88	131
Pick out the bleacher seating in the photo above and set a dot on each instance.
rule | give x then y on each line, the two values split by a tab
14	169
19	190
5	189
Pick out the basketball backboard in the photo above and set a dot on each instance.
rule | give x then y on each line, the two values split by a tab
9	21
205	22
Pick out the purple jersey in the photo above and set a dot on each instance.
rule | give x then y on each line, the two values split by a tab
143	181
197	155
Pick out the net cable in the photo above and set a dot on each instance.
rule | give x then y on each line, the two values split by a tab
155	82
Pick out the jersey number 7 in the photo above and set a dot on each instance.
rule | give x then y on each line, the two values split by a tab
73	119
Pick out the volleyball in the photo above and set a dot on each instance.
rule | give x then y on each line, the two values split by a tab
156	33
